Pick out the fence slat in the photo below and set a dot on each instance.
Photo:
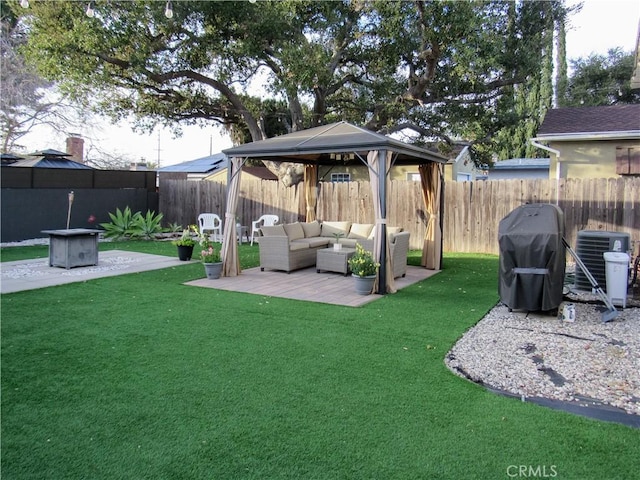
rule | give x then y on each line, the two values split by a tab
472	213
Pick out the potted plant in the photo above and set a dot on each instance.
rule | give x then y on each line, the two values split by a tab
210	258
364	270
185	243
338	246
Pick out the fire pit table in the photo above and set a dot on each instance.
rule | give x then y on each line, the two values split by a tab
73	247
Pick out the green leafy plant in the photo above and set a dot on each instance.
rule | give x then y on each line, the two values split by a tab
362	263
146	226
186	239
121	224
174	227
208	254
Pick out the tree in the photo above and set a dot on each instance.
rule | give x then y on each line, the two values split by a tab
601	80
26	99
444	70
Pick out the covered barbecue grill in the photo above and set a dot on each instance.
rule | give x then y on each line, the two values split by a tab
532	258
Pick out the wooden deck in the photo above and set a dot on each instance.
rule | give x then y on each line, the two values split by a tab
306	284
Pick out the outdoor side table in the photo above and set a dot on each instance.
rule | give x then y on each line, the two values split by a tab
73	247
331	260
242	231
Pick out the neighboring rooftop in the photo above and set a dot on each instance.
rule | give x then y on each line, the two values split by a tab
205	167
208	165
591	120
522	163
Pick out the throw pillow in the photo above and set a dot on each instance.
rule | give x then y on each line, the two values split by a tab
360	230
329	229
273	231
294	230
311	229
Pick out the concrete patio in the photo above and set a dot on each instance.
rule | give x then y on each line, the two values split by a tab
32	274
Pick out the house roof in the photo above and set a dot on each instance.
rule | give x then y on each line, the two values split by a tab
209	164
522	163
316	145
614	121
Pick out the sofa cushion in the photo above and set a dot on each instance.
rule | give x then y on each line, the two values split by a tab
315	242
360	230
273	231
311	229
348	242
330	229
294	230
298	245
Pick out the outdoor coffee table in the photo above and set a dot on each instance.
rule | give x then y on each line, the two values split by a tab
330	260
73	247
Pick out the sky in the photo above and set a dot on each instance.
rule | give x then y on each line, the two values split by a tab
601	25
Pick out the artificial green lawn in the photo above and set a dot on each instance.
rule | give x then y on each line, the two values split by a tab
141	377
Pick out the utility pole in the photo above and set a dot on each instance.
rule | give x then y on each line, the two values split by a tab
159	150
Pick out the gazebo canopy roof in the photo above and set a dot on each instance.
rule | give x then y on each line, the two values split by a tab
50	152
321	144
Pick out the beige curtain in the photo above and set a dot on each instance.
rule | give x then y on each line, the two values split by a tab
229	253
430	178
376	175
311	190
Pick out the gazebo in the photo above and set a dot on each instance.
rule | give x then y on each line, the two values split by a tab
51	158
344	143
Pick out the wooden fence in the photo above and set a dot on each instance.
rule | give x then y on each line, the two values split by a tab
472	211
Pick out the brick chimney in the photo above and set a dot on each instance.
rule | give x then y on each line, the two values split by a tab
75	147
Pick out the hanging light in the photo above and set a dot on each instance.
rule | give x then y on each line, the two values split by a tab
24	3
252	1
90	11
168	11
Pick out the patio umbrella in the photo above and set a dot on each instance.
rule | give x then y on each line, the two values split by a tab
230	256
378	173
430	175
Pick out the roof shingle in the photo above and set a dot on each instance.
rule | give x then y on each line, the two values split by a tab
606	119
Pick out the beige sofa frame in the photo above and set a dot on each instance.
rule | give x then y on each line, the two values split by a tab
280	253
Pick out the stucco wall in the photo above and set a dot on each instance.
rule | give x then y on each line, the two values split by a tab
587	159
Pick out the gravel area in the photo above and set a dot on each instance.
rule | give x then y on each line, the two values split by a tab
536	355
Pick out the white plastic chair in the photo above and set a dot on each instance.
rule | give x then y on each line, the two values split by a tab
210	222
263	221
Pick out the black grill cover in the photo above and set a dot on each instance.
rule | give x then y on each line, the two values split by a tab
532	257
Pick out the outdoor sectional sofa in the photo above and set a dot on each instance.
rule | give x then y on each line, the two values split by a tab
293	246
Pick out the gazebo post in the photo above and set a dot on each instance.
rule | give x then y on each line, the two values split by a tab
382	193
